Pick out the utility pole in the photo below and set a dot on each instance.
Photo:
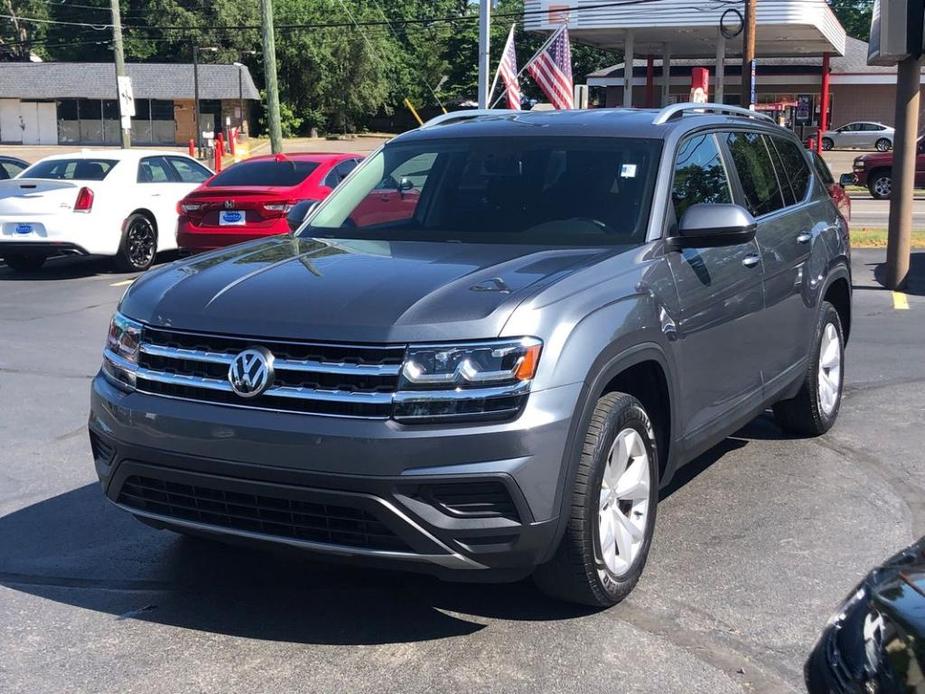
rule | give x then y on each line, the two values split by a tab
748	54
899	239
120	65
484	57
196	100
269	66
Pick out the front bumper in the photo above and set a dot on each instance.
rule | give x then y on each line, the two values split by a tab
369	490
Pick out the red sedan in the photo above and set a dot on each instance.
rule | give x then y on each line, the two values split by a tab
252	198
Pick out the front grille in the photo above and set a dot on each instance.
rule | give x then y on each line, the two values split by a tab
259	513
314	378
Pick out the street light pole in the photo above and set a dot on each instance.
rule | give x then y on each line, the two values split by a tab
484	58
120	67
196	101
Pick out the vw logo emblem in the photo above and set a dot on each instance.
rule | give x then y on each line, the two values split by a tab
229	204
251	372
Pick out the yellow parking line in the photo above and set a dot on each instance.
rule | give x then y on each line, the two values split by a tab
900	301
123	283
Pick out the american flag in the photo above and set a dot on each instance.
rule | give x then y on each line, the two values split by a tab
552	70
508	71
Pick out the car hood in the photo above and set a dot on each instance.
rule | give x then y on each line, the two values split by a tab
876	158
342	289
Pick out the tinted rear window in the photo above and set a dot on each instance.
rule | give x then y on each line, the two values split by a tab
71	169
756	172
265	173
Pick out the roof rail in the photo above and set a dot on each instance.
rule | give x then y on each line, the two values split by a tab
466	115
669	112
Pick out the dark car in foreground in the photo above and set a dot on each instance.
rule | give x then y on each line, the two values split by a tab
875	642
875	171
488	349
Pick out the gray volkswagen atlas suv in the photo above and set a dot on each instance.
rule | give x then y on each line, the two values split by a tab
484	354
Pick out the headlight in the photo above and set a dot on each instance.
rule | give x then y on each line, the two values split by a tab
470	365
478	380
120	358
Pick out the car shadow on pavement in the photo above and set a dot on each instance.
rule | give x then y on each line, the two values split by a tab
72	267
915	284
77	549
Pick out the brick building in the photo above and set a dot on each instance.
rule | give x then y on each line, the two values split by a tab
75	103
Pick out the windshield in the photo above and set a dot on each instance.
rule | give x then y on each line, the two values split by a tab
267	172
71	169
531	190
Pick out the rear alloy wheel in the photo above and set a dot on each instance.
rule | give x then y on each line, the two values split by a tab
814	409
139	245
25	263
612	508
881	186
827	143
884	145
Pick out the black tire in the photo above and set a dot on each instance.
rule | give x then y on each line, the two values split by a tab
884	145
577	572
806	414
828	143
25	263
138	246
880	184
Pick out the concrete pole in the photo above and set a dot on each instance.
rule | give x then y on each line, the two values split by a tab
904	156
120	66
484	50
269	66
719	91
629	56
666	74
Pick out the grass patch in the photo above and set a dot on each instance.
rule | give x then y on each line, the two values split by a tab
873	237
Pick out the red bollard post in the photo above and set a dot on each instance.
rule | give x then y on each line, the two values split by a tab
192	147
219	151
232	138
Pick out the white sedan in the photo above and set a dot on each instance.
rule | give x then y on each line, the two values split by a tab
118	203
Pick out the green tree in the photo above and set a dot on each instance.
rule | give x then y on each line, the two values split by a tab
18	38
854	15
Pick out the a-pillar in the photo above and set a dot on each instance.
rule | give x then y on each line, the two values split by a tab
666	73
628	60
824	105
719	92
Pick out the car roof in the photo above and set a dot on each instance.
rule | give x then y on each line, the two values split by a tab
116	154
598	122
309	156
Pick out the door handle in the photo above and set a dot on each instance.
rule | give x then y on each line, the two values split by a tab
805	237
751	260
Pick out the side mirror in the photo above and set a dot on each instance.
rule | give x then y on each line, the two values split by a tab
846	179
299	213
708	225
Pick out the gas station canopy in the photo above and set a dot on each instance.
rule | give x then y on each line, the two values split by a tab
689	29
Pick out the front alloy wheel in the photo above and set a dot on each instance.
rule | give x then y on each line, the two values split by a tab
881	187
611	508
623	503
884	145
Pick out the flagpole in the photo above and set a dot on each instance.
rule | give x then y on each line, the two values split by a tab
494	82
536	55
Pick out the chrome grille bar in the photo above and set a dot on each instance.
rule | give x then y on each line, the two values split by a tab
300	365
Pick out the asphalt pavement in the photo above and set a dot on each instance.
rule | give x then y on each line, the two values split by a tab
756	543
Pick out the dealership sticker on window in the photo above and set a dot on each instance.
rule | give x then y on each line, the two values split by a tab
628	171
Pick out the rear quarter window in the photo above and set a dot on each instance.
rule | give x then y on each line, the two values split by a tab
795	169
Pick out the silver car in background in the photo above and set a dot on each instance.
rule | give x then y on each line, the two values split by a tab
859	135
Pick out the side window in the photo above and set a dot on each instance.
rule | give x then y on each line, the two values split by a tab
795	169
189	171
345	167
153	170
822	170
332	178
10	169
699	174
756	172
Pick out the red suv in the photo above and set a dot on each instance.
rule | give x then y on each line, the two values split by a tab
875	171
253	198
